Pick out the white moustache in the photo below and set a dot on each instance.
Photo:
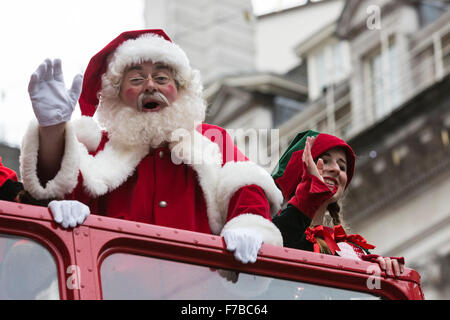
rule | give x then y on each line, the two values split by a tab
153	97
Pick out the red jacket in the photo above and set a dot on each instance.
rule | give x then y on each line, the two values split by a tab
222	189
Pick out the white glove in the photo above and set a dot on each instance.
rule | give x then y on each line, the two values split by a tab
69	213
52	102
244	242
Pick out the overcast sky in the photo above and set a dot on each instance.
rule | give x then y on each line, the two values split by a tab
74	31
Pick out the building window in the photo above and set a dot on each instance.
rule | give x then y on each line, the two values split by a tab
340	66
321	67
343	120
331	66
285	109
430	11
384	80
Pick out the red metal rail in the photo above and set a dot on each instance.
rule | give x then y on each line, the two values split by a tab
88	245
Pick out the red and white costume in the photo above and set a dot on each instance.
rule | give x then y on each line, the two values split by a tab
199	181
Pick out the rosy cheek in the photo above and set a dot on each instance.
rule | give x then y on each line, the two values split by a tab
131	93
171	89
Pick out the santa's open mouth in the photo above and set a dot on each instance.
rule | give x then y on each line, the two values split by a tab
151	106
152	103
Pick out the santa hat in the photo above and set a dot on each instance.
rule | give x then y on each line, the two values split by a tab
104	71
288	172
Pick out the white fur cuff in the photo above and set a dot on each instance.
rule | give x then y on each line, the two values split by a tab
67	177
269	232
88	132
235	175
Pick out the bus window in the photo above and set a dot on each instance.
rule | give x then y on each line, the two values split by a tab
128	276
27	270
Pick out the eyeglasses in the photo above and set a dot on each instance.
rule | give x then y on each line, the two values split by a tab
140	80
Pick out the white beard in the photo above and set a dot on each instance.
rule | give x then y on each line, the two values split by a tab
130	127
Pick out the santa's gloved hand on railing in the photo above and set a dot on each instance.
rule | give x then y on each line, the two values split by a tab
68	213
244	242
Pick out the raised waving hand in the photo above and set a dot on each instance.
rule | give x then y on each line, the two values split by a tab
313	168
52	102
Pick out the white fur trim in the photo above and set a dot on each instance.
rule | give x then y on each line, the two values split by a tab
220	183
67	177
109	168
204	156
150	47
88	132
268	231
235	175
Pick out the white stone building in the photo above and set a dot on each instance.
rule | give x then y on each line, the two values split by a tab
218	36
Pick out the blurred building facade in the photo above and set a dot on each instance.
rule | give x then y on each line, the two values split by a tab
218	36
398	124
279	32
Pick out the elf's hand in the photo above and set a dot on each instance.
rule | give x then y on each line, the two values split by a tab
393	266
52	102
313	168
312	192
68	213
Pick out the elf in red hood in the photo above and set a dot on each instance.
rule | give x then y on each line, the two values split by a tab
149	157
313	175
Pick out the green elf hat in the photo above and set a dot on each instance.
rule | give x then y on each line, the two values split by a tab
289	170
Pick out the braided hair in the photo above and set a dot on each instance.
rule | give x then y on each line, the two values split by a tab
336	219
334	209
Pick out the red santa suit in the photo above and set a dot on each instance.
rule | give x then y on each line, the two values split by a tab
198	182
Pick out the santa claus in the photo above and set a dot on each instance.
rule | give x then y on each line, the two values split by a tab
147	156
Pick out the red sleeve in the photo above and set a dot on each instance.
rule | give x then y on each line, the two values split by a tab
226	145
374	257
6	174
249	199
